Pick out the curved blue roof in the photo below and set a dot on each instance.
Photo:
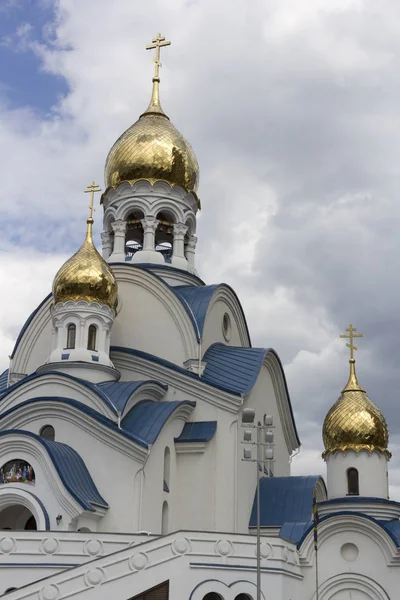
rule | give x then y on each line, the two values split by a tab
283	500
147	418
27	323
92	386
120	392
233	368
71	469
197	300
3	381
197	431
297	532
84	409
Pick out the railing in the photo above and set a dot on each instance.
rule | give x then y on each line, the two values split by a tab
131	249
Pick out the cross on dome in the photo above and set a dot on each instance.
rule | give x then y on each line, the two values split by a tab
92	189
350	336
157	43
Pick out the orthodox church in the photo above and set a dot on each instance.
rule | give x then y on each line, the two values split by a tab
138	424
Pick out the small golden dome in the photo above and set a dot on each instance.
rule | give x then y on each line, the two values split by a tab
354	422
86	276
152	149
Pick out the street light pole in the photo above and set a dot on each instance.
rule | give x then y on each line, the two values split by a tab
264	447
259	465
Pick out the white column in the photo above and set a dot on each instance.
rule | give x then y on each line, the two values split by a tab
148	254
149	232
119	228
191	251
178	253
107	244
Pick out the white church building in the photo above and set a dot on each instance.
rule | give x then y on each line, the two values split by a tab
125	468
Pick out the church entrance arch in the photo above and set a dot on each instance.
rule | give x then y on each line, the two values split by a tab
359	586
17	517
21	510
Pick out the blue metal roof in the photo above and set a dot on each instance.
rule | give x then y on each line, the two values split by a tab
299	531
358	500
84	409
27	323
197	299
3	381
393	529
293	532
199	431
120	392
283	500
95	388
147	418
71	469
232	367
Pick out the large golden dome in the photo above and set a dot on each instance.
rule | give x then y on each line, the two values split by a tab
152	149
86	276
354	422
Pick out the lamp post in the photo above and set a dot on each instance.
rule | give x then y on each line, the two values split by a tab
265	453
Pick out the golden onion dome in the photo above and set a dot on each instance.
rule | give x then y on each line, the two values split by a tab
354	422
86	276
153	149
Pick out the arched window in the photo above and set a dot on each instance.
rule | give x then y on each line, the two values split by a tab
91	344
352	482
48	432
164	519
71	336
212	596
243	597
167	462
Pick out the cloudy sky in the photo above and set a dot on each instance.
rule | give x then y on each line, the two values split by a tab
292	107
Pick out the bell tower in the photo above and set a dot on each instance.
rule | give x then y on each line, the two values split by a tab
151	177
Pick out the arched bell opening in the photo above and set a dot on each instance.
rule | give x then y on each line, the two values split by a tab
17	518
134	235
165	235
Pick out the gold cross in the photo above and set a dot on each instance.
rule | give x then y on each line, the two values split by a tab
92	188
157	43
351	335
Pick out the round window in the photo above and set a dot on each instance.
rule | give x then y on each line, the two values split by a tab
226	327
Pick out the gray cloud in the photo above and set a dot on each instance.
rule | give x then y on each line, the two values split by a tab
292	109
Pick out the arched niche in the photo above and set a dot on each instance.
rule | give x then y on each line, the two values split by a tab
17	518
134	232
17	471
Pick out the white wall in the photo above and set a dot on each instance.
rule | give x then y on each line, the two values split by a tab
372	472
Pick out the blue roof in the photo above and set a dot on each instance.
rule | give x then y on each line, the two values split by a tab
27	323
293	532
283	500
233	368
120	392
199	431
297	532
71	469
84	409
197	299
83	382
147	418
358	500
3	381
393	529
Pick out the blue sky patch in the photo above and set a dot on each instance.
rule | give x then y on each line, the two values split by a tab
22	80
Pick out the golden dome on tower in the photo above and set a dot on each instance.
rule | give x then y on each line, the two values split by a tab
86	275
354	422
152	148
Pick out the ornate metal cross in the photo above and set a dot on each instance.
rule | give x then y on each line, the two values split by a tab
91	189
350	336
157	43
